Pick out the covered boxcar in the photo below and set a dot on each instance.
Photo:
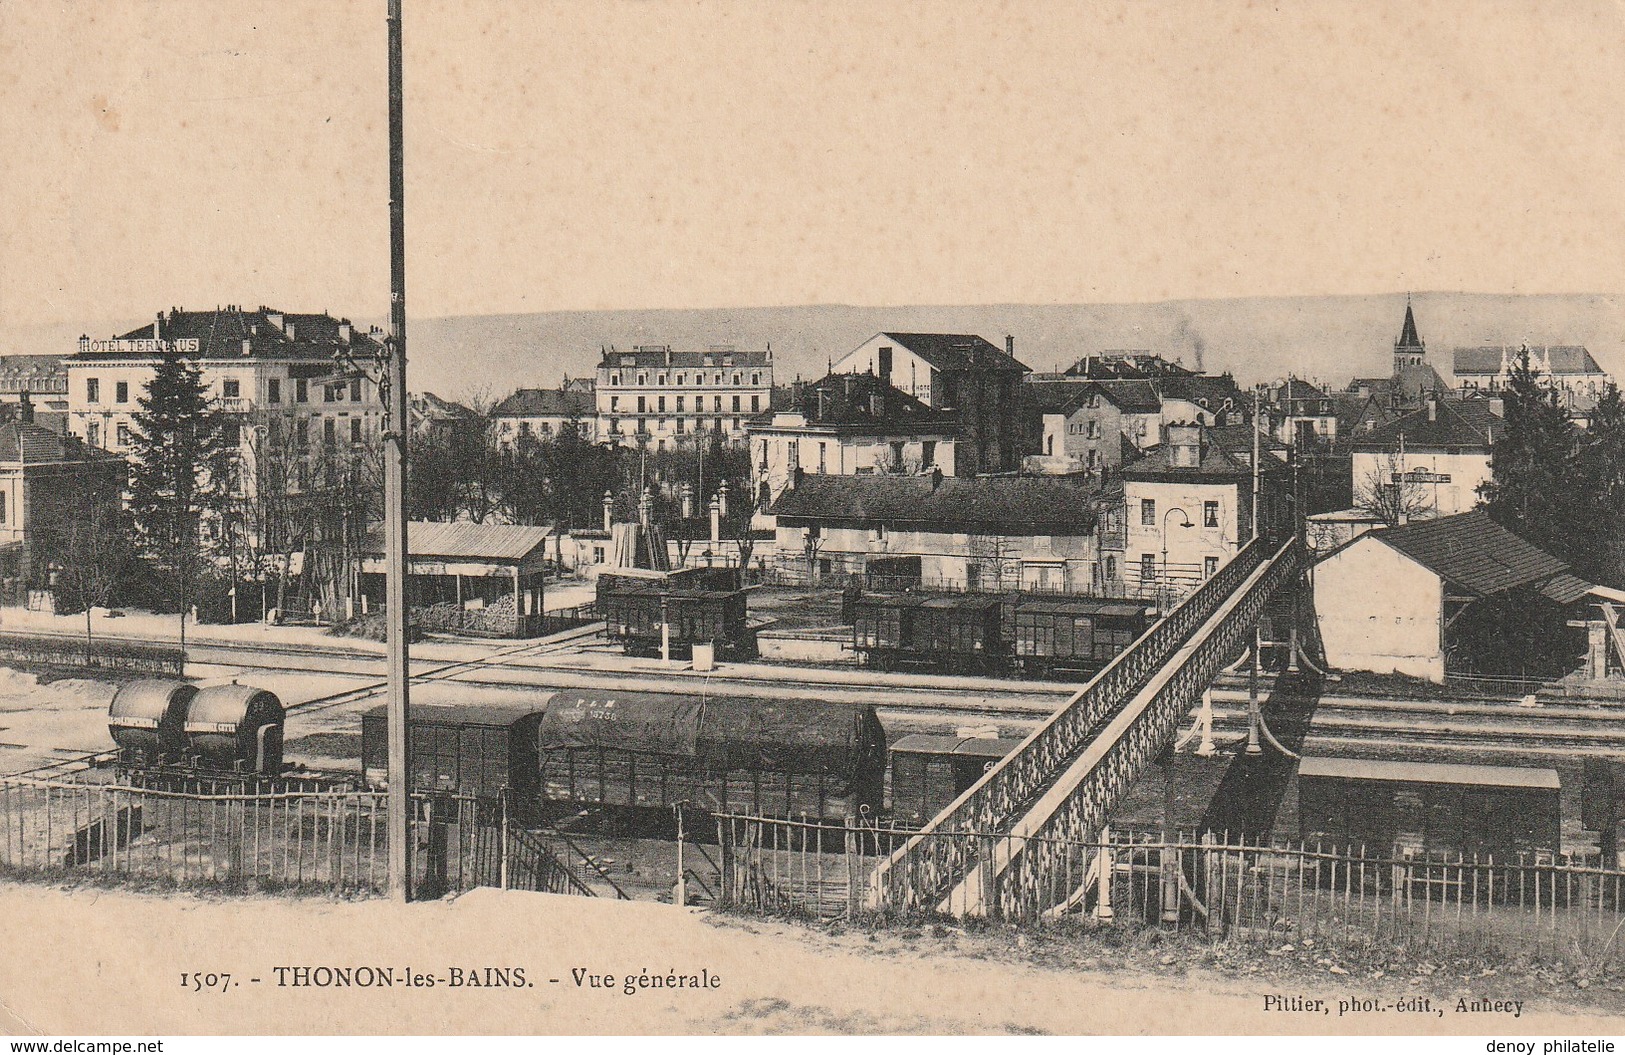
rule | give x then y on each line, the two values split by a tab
1428	807
781	758
701	606
953	633
1077	633
474	750
929	772
147	720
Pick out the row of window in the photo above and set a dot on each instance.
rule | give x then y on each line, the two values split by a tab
1148	567
642	427
893	452
1148	513
231	432
736	378
231	388
682	407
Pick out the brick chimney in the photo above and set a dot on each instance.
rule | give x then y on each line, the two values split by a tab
157	327
1010	345
25	409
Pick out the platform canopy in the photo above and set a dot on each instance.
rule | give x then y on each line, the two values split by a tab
465	548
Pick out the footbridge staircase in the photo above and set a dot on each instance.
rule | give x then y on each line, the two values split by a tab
1002	847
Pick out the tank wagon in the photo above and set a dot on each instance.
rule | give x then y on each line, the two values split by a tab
994	633
220	728
701	606
929	772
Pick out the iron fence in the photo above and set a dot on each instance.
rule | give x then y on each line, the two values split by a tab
562	619
1548	905
90	654
313	834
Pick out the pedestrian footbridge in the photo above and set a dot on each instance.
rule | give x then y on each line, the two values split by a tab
1000	845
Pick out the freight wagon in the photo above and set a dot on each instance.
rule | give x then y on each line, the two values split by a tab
474	750
1428	808
994	632
1075	634
699	605
929	772
952	634
780	758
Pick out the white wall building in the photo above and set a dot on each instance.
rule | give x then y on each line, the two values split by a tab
1439	455
657	397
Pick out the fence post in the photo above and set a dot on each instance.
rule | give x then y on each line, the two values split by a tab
502	863
854	904
1106	862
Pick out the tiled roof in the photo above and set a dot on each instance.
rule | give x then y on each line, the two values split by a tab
1469	424
1555	359
34	443
860	400
1198	387
957	351
1013	505
1226	455
461	540
1475	553
221	334
546	403
1063	396
1138	364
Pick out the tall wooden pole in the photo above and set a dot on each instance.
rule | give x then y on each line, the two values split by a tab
396	616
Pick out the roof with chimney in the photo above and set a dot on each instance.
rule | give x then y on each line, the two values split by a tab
1207	390
719	356
1225	454
957	351
1493	359
546	403
1064	396
29	443
1300	398
233	332
853	401
1007	505
1440	424
1136	364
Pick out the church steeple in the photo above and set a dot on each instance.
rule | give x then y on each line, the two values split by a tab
1409	350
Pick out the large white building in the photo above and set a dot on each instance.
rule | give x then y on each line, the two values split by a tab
1435	458
1569	369
544	413
656	397
275	373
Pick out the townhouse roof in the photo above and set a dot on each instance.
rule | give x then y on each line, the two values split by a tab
1449	425
1225	455
1009	505
1064	396
434	408
957	351
1196	388
547	403
1127	364
662	355
31	443
857	401
234	332
1548	359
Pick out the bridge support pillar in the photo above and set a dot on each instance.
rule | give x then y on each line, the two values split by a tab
1169	858
1106	863
1253	714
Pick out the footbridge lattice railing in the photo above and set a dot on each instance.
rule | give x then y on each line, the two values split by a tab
924	871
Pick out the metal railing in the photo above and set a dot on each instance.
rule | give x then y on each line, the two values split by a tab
1541	904
1007	790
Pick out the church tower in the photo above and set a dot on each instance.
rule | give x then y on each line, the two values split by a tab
1409	350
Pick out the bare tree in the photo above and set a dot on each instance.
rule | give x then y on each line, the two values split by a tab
1392	494
86	540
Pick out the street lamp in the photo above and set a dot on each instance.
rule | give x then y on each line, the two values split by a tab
1186	524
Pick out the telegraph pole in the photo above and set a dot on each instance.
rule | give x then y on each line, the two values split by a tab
395	434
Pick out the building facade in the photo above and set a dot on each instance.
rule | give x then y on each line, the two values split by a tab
957	372
1432	461
543	413
1569	370
847	425
656	397
279	376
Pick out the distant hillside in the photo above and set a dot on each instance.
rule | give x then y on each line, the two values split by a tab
1325	338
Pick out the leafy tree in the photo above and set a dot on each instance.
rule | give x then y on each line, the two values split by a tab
180	475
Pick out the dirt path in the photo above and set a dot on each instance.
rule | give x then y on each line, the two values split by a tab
98	961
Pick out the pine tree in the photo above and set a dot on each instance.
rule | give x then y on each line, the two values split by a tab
179	474
1601	463
1537	490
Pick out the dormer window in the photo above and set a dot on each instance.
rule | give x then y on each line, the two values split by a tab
709	361
627	360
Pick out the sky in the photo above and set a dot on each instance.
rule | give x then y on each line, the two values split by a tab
671	154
